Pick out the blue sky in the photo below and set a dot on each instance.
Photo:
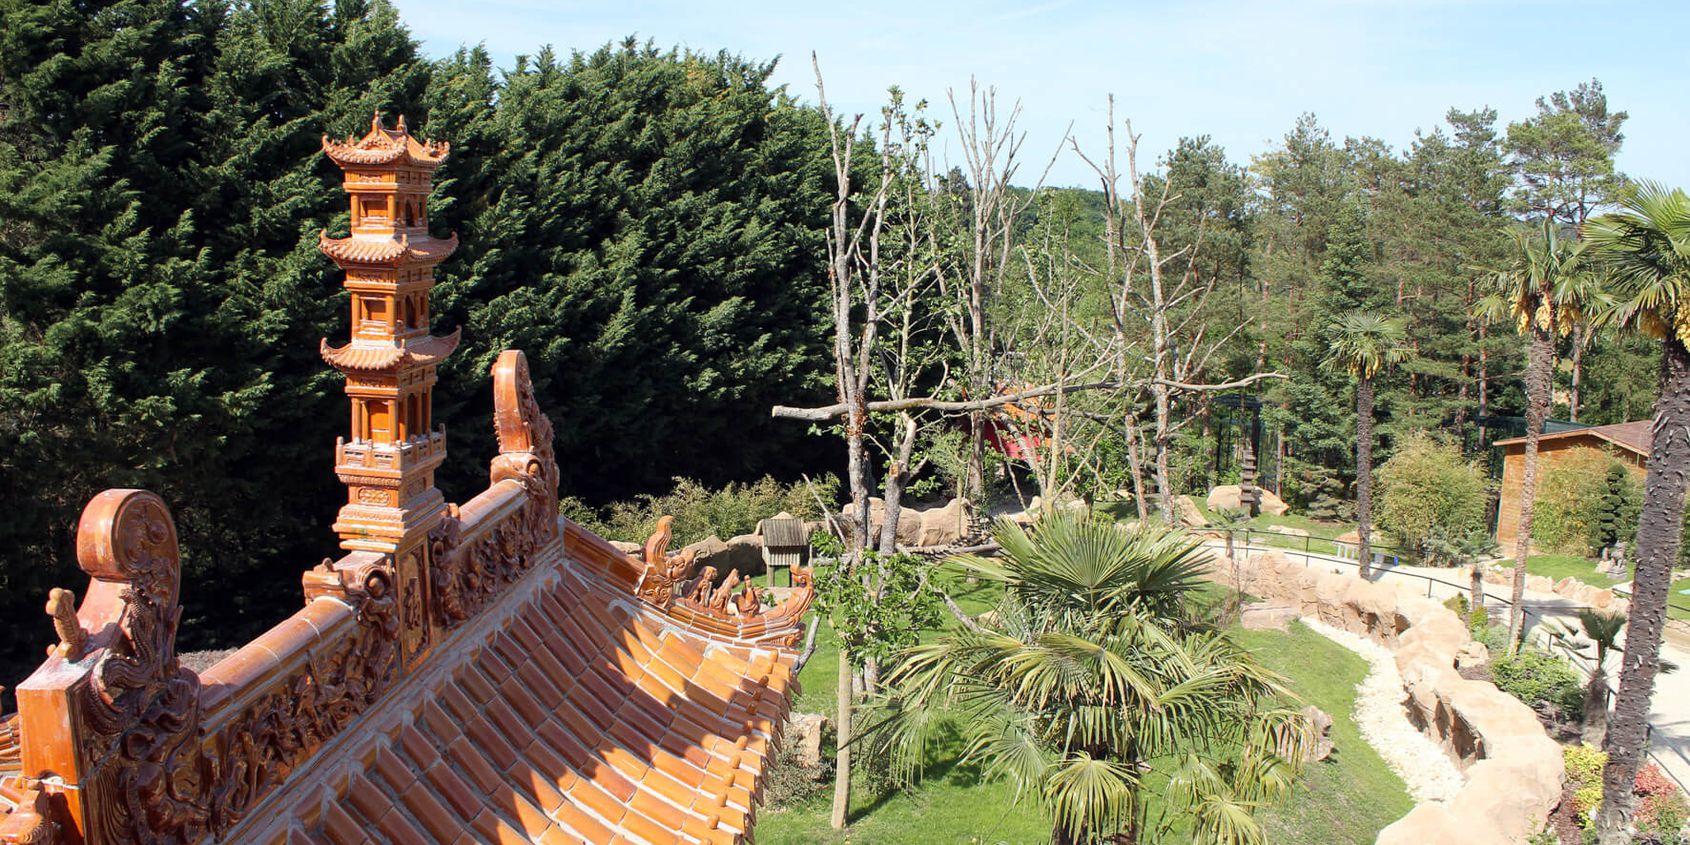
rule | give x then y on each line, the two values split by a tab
1235	70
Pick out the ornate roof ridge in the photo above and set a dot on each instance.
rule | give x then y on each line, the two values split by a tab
385	146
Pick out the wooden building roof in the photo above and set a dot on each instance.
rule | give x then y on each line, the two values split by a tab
1634	436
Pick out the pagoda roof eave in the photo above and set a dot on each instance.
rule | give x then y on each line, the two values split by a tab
370	359
386	251
386	146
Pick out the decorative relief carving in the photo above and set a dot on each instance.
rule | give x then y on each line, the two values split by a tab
140	708
413	604
256	749
152	769
467	575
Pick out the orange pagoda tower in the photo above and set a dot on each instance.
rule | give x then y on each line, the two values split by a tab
388	462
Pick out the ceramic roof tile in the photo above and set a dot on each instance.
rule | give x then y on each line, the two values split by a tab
581	717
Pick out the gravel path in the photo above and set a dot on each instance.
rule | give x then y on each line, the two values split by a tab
1423	766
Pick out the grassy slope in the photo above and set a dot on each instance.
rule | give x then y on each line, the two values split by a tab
1349	796
1556	567
1344	800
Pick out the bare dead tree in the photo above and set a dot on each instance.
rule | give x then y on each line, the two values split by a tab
881	273
1166	311
987	208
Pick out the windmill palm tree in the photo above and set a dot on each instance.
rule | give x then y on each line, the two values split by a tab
1601	630
1363	345
1091	682
1543	290
1643	251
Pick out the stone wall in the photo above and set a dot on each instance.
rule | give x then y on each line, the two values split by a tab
1513	769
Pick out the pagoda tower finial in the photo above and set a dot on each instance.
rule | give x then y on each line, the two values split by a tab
389	458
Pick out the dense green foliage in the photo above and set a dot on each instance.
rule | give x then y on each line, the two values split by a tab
1428	491
645	224
1538	678
1586	500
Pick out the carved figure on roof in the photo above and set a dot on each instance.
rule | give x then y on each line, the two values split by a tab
61	605
703	585
31	823
749	602
719	599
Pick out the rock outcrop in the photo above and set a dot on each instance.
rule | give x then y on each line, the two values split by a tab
1231	496
1188	512
742	554
1513	769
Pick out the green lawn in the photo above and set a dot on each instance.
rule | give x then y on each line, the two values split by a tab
1349	796
1556	567
1345	799
953	804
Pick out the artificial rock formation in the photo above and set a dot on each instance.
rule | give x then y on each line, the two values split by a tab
476	672
1513	769
1231	496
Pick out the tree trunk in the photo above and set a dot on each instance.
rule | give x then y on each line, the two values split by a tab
842	757
1540	359
1484	380
1660	529
1162	438
1136	464
857	471
1364	475
1579	337
975	478
1475	587
1595	730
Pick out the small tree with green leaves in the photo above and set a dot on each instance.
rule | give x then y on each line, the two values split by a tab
1429	496
1601	629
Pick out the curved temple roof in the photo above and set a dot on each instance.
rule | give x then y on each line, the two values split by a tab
385	250
383	146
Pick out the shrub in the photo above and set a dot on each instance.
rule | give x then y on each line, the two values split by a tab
700	511
1584	764
1661	807
1585	499
1534	677
1427	490
1458	603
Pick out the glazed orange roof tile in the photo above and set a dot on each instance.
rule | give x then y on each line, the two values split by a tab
479	673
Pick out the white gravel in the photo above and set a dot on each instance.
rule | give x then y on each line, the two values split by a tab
1423	766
